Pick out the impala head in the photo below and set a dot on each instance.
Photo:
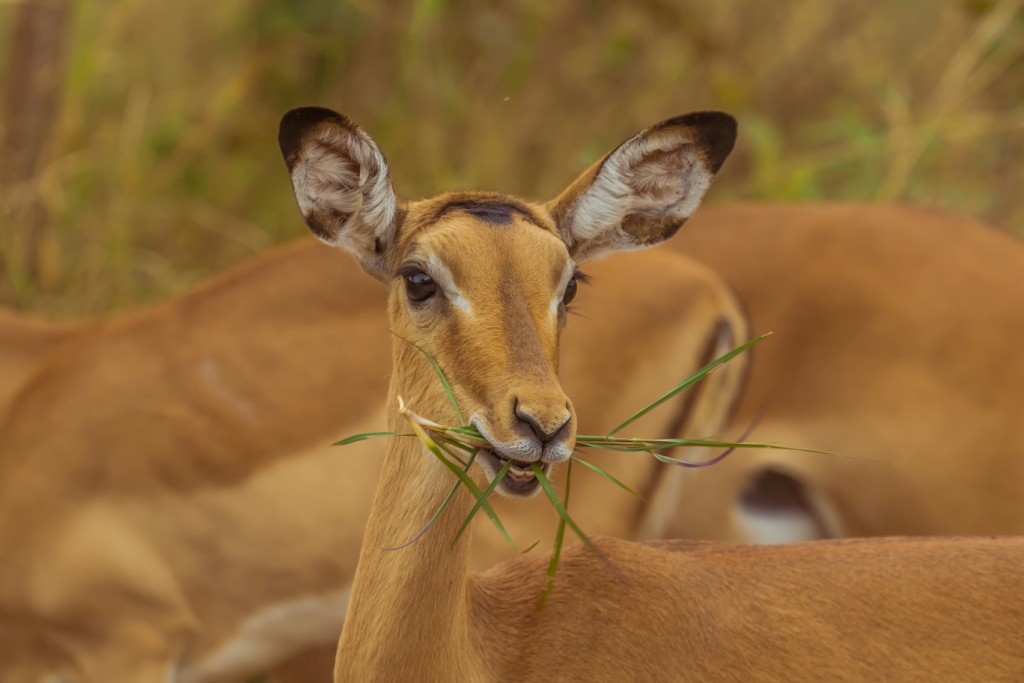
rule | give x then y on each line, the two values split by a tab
481	281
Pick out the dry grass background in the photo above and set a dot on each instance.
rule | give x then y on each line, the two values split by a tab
163	167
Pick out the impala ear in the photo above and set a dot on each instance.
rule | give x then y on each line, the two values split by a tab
341	183
641	192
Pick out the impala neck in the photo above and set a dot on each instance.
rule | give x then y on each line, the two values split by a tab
407	618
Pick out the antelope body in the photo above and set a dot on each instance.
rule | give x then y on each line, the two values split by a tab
487	298
896	338
25	342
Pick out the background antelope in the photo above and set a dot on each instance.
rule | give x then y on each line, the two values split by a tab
481	282
228	337
894	340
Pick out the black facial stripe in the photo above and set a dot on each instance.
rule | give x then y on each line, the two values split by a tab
493	212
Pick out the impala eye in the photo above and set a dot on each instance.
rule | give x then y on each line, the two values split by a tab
419	286
570	291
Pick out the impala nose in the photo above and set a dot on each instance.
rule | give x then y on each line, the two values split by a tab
545	435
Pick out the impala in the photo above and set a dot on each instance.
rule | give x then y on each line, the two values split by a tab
481	281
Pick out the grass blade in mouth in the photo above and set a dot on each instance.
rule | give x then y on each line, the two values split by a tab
603	474
483	499
470	485
533	545
688	463
437	513
688	382
549	491
440	439
368	435
634	445
559	539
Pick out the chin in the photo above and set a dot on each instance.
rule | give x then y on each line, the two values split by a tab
519	481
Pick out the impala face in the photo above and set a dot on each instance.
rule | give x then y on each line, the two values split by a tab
481	281
482	284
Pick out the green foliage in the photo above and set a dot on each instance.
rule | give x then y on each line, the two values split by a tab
164	167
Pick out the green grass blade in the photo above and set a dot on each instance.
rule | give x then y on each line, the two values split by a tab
606	476
559	539
688	382
457	444
482	499
468	430
708	443
560	508
367	435
532	545
437	513
440	376
477	493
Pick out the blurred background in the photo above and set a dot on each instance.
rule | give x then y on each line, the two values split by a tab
139	137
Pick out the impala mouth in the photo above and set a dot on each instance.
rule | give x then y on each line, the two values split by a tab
520	479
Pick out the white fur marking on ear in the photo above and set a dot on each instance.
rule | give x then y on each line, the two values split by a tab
357	186
629	182
444	278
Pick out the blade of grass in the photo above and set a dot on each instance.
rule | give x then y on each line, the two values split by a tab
478	494
368	435
730	447
533	545
686	463
559	539
564	514
440	375
458	444
482	499
689	381
440	509
650	445
711	443
434	448
605	475
560	508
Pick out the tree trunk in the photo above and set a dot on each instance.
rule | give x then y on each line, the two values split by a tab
36	67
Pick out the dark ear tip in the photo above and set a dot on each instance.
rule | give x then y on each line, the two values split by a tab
715	131
295	124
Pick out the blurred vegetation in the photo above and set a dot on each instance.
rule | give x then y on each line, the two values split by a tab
163	166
